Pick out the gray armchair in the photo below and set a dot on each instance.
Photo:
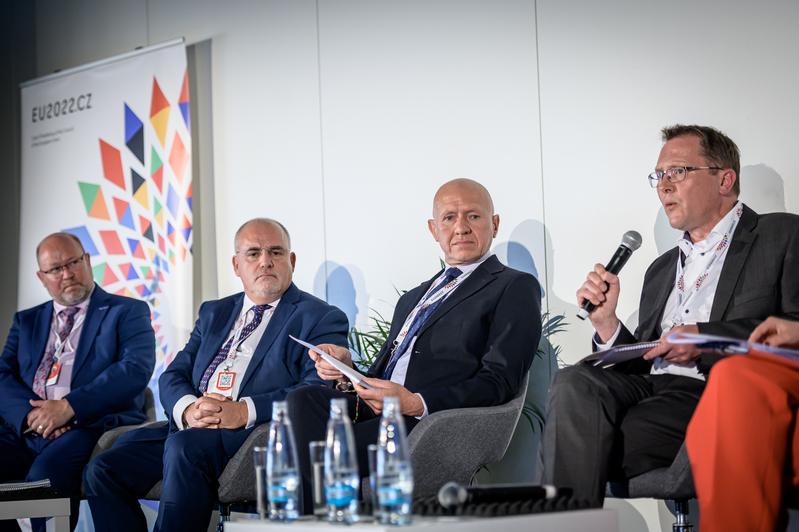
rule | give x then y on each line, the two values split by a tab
452	445
673	483
110	436
237	481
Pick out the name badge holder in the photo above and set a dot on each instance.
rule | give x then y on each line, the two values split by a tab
55	369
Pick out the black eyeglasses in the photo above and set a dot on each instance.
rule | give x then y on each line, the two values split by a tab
57	271
675	174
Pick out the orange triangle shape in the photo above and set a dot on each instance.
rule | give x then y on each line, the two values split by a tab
158	102
99	209
184	89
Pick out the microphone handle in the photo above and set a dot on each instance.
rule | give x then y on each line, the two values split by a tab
614	266
618	260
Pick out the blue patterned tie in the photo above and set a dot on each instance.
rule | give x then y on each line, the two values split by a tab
419	319
221	355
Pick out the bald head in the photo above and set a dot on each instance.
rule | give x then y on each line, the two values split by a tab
269	222
463	187
67	239
463	223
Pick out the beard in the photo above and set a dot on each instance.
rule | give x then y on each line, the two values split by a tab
73	295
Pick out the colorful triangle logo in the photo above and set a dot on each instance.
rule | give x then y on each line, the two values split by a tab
112	164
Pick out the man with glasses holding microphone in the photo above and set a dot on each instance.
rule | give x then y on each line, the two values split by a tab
71	368
731	269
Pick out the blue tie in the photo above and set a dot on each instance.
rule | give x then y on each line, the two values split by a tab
221	355
419	319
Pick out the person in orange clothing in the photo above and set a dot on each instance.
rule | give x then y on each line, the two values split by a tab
743	440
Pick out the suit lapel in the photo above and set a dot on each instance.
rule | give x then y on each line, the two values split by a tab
224	320
740	246
95	314
397	321
478	279
285	309
662	290
41	333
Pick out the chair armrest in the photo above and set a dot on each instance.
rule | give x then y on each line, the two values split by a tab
237	482
109	437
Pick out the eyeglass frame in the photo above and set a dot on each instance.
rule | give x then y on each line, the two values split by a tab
71	265
656	176
273	251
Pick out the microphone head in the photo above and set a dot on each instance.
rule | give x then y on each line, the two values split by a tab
451	495
631	240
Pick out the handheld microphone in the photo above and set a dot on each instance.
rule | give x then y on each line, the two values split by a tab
452	494
630	241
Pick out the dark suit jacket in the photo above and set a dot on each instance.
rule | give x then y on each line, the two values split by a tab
113	362
476	348
759	279
278	364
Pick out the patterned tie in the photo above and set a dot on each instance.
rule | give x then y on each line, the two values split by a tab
419	319
221	355
66	320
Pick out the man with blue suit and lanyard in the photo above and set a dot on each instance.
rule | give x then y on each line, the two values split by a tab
238	360
71	368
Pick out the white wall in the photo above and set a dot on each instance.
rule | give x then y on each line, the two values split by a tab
342	118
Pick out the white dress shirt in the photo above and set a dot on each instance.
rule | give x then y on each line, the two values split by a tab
238	360
698	262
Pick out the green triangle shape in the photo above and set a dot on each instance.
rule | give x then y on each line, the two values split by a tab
97	272
144	271
156	206
89	193
155	161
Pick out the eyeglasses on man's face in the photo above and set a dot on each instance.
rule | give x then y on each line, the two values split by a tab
255	254
675	174
58	271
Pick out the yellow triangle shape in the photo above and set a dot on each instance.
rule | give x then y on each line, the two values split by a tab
159	122
150	253
159	218
142	197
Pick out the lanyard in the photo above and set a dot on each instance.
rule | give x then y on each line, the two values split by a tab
684	297
423	304
237	340
59	344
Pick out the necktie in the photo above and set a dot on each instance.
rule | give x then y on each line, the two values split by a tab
419	319
66	320
221	355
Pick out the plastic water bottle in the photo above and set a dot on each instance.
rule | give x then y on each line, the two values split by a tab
282	474
394	471
341	466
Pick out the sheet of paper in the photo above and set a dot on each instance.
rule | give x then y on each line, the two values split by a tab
618	354
729	345
711	342
349	372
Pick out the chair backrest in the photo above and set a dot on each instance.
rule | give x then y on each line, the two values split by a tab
670	483
452	445
149	404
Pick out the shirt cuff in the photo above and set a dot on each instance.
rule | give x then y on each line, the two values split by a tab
424	412
610	342
180	407
252	415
